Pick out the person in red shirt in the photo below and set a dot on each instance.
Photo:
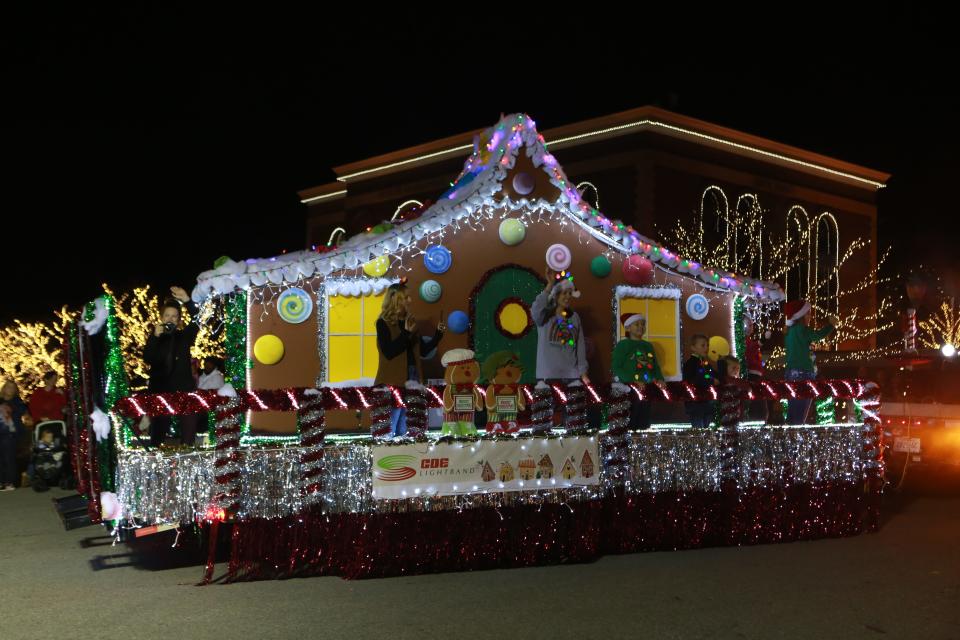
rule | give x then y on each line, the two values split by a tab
48	402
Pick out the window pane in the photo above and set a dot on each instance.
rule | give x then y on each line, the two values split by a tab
666	350
370	360
344	315
663	318
371	311
343	358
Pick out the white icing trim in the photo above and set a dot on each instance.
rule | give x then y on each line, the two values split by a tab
355	287
652	293
359	382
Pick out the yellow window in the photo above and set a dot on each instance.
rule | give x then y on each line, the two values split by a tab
663	329
352	336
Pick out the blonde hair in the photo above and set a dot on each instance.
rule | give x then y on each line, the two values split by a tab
392	300
11	383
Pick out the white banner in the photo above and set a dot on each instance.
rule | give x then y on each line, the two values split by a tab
527	464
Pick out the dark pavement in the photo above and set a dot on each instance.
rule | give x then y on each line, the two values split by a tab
903	582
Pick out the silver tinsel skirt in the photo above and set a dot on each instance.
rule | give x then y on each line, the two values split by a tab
169	488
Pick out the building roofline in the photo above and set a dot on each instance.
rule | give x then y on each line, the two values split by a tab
614	125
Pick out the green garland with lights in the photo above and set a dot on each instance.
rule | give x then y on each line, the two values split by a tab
116	389
739	335
76	378
236	347
237	364
117	386
826	411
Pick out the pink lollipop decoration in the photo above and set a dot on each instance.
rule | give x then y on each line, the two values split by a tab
558	257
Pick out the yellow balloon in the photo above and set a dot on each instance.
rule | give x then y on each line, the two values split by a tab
268	349
376	267
719	347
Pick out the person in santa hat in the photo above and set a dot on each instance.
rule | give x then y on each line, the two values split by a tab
799	362
635	362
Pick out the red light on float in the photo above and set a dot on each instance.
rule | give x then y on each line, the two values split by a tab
214	514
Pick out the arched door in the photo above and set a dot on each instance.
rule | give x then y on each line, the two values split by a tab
501	317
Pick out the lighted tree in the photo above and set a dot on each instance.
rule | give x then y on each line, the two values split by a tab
137	312
30	349
941	328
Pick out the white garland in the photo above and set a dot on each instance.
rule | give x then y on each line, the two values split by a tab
651	293
346	384
358	286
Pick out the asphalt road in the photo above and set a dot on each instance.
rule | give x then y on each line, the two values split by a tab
902	582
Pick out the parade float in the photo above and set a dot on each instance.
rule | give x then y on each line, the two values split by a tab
301	467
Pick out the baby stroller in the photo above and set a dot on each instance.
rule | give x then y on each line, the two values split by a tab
47	465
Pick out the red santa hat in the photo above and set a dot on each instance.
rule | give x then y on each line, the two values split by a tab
628	319
794	310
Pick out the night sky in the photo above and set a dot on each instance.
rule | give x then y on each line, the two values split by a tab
139	153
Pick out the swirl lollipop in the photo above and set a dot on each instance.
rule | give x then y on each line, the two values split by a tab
697	306
437	259
294	305
430	290
558	257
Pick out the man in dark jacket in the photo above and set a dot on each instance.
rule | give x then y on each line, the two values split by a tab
167	352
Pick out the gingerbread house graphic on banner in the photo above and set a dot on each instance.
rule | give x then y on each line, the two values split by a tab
478	255
545	467
487	474
569	471
527	469
586	465
506	472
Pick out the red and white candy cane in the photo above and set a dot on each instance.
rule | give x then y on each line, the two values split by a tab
227	462
312	435
415	399
381	406
541	409
616	439
576	405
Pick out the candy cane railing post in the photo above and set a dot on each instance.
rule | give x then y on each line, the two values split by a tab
731	399
868	395
576	406
381	410
541	409
414	397
312	437
616	439
226	498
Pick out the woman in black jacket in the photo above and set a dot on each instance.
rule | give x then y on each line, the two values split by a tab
167	352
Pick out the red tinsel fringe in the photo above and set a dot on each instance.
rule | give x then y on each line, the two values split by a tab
378	545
